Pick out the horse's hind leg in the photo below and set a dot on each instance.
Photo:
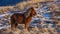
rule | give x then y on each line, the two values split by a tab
12	23
12	26
16	25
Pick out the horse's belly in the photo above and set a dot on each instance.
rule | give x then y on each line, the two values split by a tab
20	20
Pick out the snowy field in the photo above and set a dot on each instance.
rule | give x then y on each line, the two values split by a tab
46	27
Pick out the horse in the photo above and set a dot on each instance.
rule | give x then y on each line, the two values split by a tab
22	18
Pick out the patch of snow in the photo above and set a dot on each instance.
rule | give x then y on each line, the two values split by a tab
5	27
3	15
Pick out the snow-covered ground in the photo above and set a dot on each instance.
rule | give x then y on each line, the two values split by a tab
43	12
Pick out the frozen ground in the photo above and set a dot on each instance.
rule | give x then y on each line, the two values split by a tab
47	26
37	28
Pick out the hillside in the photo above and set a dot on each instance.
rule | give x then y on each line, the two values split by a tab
47	20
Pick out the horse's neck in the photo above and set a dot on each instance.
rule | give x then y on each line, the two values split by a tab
27	14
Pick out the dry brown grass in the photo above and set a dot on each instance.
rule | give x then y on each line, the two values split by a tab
34	30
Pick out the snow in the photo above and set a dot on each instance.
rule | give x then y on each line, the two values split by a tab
5	27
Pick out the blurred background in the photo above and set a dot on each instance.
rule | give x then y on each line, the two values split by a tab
46	22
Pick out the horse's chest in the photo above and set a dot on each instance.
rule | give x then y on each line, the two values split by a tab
28	19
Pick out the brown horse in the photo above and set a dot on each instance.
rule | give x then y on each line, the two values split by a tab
22	18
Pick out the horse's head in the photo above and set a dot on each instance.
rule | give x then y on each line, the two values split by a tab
30	12
33	12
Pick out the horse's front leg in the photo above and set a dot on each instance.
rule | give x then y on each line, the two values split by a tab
16	26
26	26
27	23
